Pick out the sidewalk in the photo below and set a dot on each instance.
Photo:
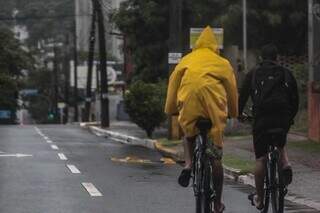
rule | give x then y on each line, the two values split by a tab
238	157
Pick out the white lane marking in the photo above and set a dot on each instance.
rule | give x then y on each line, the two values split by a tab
91	189
18	155
54	147
49	141
73	169
62	156
46	138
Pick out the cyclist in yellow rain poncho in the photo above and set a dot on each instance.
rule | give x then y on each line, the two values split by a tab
203	85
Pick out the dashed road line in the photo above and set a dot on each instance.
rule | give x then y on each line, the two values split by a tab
55	147
49	141
45	137
62	156
92	190
73	169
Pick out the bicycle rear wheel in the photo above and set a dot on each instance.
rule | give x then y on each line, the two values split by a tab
203	198
277	186
266	193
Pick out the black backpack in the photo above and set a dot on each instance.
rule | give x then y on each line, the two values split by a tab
271	89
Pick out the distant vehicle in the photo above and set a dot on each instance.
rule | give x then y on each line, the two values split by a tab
7	116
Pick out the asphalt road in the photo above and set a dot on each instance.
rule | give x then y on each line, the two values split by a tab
39	181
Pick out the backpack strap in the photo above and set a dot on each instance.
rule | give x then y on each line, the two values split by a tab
287	77
253	79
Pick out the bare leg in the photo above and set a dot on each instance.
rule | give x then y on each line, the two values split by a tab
259	175
188	144
218	182
284	157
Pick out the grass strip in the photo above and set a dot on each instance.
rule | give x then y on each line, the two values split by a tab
236	162
169	143
305	145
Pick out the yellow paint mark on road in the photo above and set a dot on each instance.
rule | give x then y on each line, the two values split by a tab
167	161
131	159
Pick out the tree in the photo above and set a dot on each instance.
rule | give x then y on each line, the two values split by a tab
144	102
283	23
6	10
145	25
46	19
13	57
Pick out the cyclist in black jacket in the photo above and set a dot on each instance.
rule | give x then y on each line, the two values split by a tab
274	93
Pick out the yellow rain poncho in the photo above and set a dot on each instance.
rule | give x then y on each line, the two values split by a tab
203	85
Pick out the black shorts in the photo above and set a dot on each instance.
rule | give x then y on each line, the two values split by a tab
261	142
261	139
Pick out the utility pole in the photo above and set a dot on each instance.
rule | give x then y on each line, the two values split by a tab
105	122
310	40
90	64
55	81
244	19
175	53
66	67
75	68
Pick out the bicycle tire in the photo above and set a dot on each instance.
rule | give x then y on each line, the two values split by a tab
203	199
281	189
266	192
277	195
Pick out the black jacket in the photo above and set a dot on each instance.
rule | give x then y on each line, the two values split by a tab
247	90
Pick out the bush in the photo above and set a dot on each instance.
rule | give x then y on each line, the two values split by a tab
144	102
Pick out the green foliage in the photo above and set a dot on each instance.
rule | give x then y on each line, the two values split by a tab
145	105
40	79
13	58
6	10
145	25
40	105
281	22
33	13
8	93
39	108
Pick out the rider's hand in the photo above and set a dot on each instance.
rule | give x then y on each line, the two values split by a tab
243	117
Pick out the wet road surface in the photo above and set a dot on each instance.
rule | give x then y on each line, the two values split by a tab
53	169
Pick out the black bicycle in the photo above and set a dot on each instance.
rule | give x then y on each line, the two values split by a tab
274	181
202	170
274	186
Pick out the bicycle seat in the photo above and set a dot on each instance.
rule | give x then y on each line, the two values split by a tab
204	124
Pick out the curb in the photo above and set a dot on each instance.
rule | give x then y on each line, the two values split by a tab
122	138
